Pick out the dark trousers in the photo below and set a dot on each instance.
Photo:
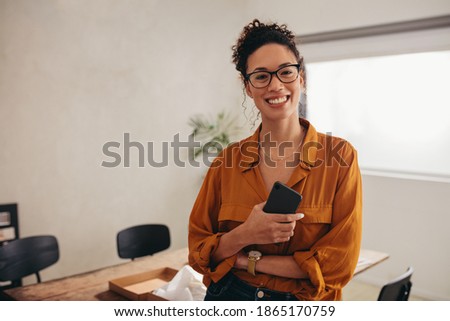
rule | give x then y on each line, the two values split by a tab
231	288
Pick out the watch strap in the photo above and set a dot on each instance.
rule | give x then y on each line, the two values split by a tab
251	266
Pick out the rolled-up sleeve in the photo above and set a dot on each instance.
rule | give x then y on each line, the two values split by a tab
204	236
331	261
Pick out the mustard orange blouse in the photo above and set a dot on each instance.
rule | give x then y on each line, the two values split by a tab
327	240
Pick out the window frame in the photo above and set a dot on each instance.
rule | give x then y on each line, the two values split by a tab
430	34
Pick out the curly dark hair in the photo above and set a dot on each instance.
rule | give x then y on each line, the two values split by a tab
255	35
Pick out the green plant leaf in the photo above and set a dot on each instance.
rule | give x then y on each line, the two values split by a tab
215	131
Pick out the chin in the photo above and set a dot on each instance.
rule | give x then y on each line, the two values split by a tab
280	113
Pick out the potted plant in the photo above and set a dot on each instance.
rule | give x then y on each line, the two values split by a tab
213	133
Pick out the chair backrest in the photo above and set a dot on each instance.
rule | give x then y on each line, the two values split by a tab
397	289
26	256
9	222
142	240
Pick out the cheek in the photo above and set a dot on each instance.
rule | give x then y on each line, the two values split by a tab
298	88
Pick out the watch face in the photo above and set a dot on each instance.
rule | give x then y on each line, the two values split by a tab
254	254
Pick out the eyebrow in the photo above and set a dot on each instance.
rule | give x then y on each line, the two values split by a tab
280	66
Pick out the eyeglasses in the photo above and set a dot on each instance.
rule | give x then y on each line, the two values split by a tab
286	74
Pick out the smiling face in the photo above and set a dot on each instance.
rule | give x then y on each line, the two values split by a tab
278	100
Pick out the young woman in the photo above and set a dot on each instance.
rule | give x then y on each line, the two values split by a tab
245	253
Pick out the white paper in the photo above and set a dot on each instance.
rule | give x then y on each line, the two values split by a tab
364	261
186	285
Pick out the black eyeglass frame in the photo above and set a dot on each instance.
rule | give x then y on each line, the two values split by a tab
271	73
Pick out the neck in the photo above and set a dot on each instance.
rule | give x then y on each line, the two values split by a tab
286	130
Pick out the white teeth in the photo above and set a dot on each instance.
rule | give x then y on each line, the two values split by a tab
277	100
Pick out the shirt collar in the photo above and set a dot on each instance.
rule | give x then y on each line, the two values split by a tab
249	148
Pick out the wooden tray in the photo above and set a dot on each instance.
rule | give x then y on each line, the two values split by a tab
139	287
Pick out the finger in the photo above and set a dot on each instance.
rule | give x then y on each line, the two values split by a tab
260	206
282	239
281	218
287	217
286	227
285	234
299	216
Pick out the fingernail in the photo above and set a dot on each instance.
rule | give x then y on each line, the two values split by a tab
299	216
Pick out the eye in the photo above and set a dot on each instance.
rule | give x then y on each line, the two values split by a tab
260	76
286	72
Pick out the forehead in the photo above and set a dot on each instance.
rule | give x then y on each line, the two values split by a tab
270	57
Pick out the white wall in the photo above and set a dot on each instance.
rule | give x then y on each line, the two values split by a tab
409	219
77	74
307	17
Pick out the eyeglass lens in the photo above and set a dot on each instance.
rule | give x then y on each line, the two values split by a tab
261	79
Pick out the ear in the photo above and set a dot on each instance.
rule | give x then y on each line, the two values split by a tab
302	83
248	89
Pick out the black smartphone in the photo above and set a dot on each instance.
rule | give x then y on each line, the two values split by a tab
282	200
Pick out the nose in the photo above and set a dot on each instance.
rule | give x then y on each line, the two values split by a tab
275	84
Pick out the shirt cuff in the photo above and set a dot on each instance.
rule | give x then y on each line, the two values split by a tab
203	259
308	263
222	268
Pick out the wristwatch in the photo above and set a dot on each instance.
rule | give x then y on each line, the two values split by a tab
253	257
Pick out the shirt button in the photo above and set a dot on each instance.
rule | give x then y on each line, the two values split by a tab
260	294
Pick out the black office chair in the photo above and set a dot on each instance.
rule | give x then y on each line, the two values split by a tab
397	289
26	256
142	240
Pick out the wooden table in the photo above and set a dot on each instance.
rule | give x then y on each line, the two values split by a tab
92	286
368	259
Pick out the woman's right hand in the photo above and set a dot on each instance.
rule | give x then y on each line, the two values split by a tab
266	228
